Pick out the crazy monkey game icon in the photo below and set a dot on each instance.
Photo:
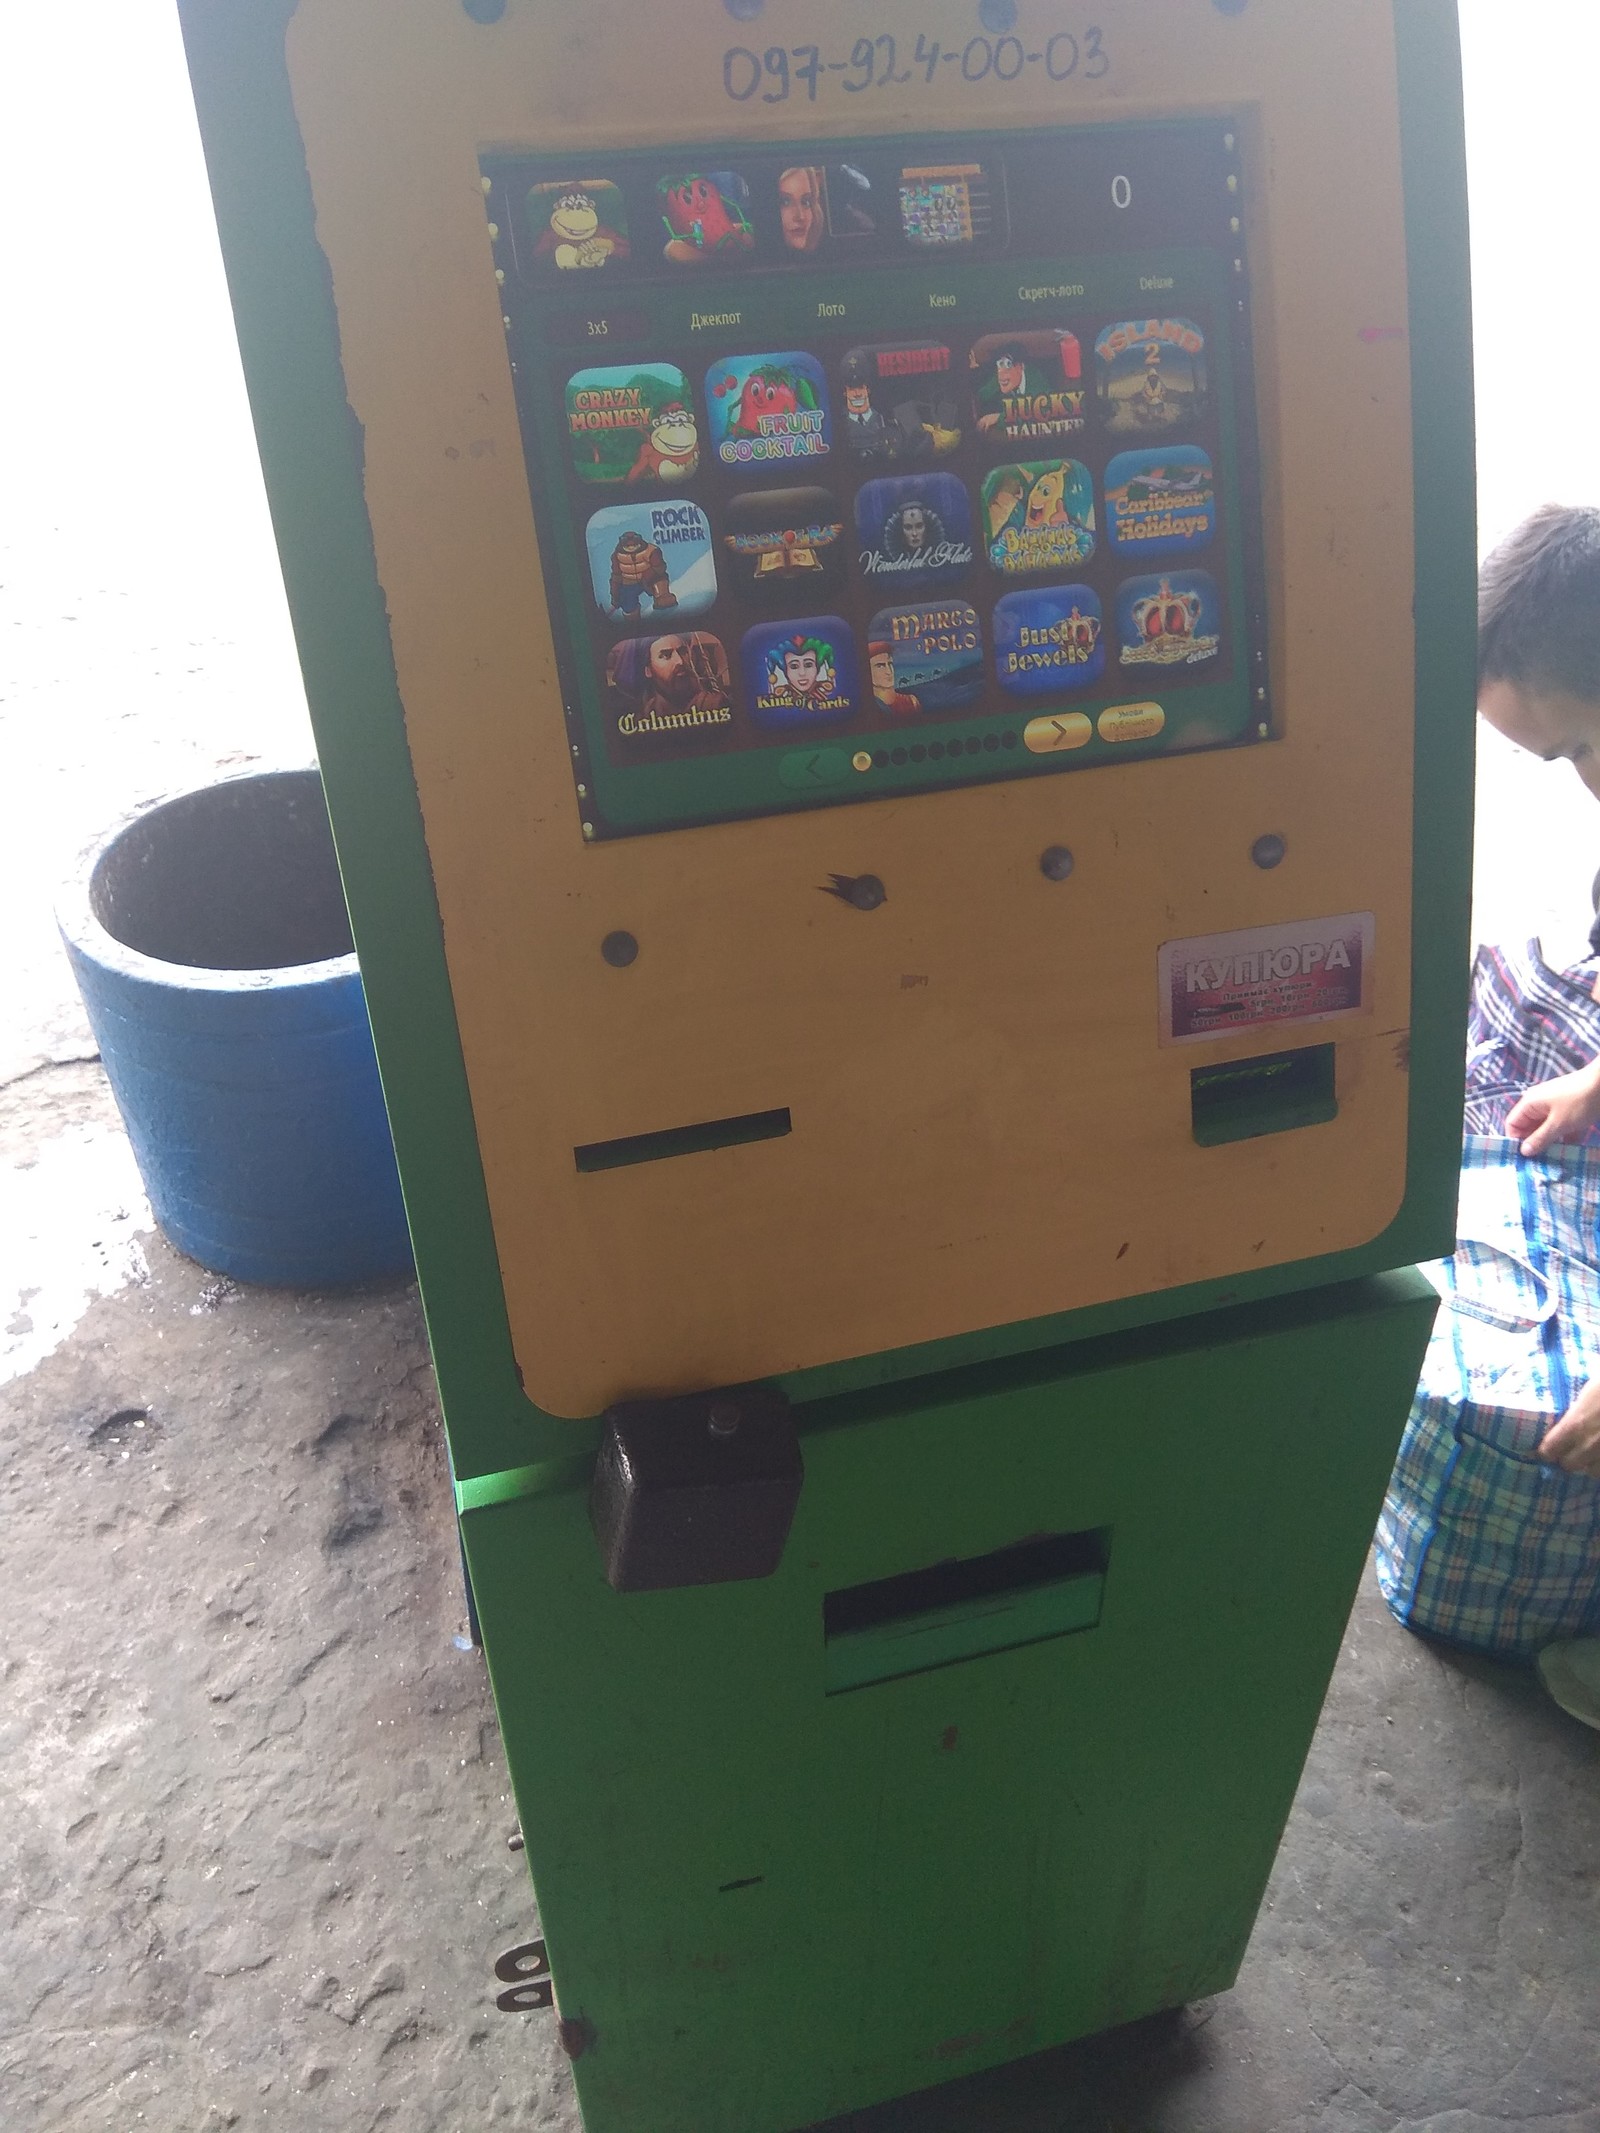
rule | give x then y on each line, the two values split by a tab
1028	385
674	688
632	424
706	215
651	559
1151	375
583	225
800	674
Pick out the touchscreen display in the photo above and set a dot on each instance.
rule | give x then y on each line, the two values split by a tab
865	469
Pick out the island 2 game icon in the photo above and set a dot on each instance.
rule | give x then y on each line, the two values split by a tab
768	407
671	688
1171	621
1160	502
925	659
800	674
784	542
651	559
1038	515
706	215
1048	639
577	226
1027	386
1151	375
913	531
900	403
633	423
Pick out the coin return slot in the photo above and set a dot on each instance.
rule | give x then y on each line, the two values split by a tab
683	1140
964	1609
1244	1098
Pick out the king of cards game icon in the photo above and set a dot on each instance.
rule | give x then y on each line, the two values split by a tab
900	404
1038	515
913	530
577	226
925	658
1049	639
768	407
651	559
706	216
800	674
1170	621
633	423
1161	502
1028	386
1151	375
784	542
672	687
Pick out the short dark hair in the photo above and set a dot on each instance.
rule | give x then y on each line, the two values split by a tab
1539	605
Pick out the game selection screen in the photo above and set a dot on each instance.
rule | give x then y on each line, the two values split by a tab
865	469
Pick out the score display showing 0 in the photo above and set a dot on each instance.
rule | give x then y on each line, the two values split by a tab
875	63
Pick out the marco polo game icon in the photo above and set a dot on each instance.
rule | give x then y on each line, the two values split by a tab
651	559
632	424
913	530
1161	502
768	408
1028	386
1150	375
800	674
1171	621
786	543
925	659
706	215
673	688
900	404
577	226
1048	640
1038	515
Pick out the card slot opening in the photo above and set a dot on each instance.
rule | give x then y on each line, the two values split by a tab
683	1140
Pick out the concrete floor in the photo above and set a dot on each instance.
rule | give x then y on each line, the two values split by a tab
254	1866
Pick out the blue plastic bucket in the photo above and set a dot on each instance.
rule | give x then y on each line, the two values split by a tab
210	942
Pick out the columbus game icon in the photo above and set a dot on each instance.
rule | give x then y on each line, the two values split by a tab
706	216
1028	386
578	226
1048	639
800	674
651	559
900	404
1160	502
672	687
1151	375
925	659
1038	515
768	408
632	424
913	530
784	542
1169	621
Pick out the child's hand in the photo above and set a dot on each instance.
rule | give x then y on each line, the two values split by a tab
1559	1110
1574	1441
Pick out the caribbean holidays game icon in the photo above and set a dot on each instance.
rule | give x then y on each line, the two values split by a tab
651	559
768	408
925	659
1038	514
913	531
632	423
784	541
673	687
800	674
1048	639
1171	621
900	403
1151	375
1028	386
1160	502
577	226
706	215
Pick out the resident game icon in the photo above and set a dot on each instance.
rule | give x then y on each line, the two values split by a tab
706	215
800	674
816	202
1160	502
784	542
925	659
577	226
768	407
1169	621
651	559
913	530
632	424
1028	385
1151	375
1038	514
900	403
946	204
673	688
1048	639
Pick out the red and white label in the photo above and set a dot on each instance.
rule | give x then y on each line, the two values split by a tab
1310	971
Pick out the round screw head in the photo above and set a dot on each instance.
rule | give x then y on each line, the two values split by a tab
1268	852
484	10
619	950
724	1418
1055	862
866	892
